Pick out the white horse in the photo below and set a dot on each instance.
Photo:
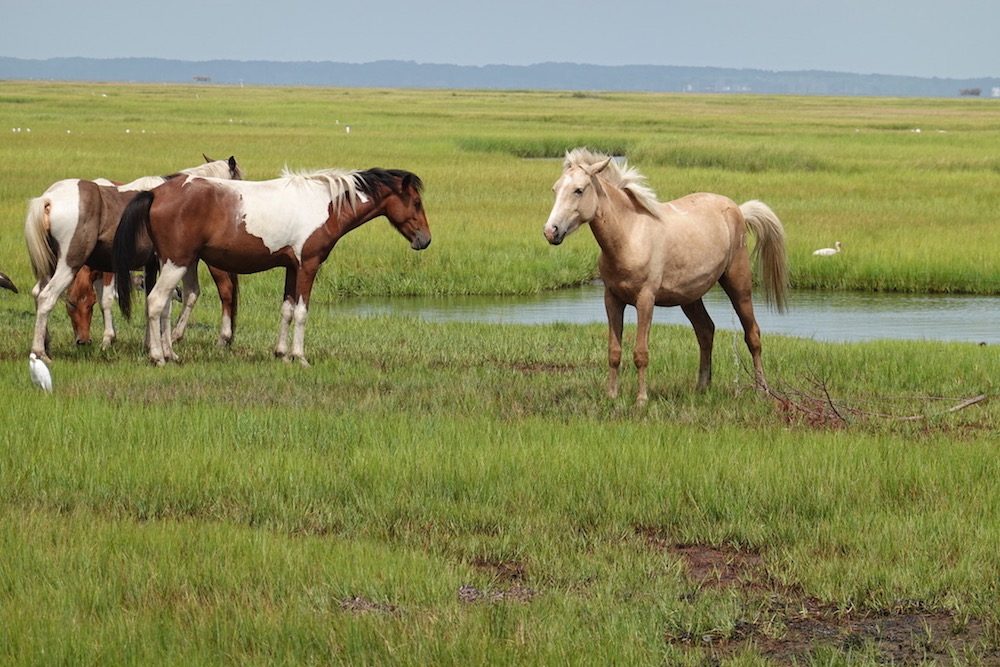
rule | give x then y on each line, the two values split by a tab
73	223
667	254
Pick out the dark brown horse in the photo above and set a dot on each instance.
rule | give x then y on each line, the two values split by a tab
73	223
249	226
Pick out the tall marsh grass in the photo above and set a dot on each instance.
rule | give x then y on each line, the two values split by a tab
912	209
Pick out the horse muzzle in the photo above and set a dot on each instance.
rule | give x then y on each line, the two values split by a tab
553	234
420	241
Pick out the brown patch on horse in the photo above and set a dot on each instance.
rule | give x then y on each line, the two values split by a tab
100	210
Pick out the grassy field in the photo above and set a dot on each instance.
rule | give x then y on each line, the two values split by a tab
435	493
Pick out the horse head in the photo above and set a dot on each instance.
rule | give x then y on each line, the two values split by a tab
80	300
220	168
577	192
402	203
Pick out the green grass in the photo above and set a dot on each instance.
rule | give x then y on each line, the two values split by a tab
445	493
913	210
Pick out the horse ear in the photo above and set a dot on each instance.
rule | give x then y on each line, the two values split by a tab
232	163
406	184
207	159
595	169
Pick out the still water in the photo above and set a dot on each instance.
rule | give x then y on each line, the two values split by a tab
827	316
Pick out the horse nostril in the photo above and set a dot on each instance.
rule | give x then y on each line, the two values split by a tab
83	341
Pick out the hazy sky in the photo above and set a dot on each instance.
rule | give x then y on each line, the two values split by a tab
946	38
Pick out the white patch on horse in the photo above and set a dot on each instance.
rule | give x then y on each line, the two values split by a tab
284	212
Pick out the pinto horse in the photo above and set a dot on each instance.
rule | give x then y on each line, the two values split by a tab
667	254
72	224
251	226
81	297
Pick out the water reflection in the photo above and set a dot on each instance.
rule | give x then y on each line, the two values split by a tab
829	316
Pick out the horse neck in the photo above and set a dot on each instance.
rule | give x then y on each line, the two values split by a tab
614	220
349	219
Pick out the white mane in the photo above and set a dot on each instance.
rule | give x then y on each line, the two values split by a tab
214	169
144	183
620	175
343	184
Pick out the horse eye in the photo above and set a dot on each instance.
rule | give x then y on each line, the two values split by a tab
578	191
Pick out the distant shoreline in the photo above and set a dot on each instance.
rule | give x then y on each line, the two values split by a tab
542	76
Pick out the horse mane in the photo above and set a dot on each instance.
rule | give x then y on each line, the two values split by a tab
344	185
620	175
390	178
214	169
355	185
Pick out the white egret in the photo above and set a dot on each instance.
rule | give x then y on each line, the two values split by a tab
825	252
39	373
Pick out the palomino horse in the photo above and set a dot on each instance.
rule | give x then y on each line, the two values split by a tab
72	224
250	226
667	254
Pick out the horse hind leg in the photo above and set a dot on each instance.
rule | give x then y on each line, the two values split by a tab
189	297
704	331
157	306
45	301
737	284
227	285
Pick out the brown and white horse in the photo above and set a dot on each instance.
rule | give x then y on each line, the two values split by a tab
667	254
251	226
73	223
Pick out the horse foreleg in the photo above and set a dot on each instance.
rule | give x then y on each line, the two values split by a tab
191	292
736	282
704	331
157	305
644	317
45	301
304	289
616	322
287	309
106	293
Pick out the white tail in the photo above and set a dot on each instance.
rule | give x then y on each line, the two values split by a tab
36	233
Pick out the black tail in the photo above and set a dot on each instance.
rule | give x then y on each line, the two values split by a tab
135	217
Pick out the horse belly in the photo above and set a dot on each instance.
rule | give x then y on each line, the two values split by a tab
242	261
692	261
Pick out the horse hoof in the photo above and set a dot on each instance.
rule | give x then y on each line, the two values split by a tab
159	363
641	402
303	362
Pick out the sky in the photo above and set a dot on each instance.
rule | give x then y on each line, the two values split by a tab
927	38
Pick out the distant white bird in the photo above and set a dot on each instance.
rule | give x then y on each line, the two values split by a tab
824	252
39	373
7	283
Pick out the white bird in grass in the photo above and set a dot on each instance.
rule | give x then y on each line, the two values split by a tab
39	373
825	252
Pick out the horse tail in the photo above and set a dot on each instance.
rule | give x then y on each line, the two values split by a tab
36	233
769	253
134	218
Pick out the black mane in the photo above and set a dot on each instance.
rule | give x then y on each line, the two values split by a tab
369	180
